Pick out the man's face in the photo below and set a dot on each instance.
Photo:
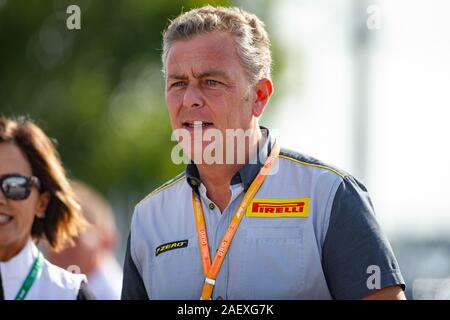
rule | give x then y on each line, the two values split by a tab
206	85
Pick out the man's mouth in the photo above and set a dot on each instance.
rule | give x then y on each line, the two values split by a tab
4	218
196	124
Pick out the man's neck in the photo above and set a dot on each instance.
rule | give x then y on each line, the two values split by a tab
217	177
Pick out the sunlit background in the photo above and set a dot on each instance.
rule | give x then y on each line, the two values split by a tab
363	85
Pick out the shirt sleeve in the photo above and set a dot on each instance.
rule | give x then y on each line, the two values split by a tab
133	287
357	258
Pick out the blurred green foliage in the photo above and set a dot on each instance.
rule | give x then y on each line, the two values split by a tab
98	91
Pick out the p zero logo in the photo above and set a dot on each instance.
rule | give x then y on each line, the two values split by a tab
170	246
279	208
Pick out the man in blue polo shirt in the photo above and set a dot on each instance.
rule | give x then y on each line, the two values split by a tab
277	225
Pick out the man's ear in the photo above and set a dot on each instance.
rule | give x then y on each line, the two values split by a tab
263	92
41	206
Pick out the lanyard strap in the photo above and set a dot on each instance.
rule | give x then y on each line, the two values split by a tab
31	277
211	270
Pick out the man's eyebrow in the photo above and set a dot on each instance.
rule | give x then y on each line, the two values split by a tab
203	74
177	76
211	73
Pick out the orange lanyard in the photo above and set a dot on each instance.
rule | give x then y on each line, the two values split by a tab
211	271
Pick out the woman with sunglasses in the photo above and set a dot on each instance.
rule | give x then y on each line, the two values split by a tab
36	202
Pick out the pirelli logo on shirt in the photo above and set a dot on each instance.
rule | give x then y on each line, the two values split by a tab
279	208
170	246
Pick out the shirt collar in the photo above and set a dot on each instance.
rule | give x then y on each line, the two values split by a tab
246	174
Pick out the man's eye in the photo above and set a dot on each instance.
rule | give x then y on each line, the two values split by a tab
212	82
177	84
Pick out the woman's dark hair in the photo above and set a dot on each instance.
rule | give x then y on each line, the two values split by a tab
63	218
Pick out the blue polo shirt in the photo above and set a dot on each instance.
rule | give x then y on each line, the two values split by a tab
309	233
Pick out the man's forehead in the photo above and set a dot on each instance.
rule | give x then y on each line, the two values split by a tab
209	41
198	66
213	52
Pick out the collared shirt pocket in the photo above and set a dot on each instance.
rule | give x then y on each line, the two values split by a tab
270	264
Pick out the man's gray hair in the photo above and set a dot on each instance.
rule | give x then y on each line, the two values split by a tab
252	41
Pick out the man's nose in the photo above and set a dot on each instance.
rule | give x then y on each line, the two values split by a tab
192	97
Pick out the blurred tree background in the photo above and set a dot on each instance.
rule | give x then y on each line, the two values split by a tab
98	91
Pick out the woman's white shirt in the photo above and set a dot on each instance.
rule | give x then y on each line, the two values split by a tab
51	283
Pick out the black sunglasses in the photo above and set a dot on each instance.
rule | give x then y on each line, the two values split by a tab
18	187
